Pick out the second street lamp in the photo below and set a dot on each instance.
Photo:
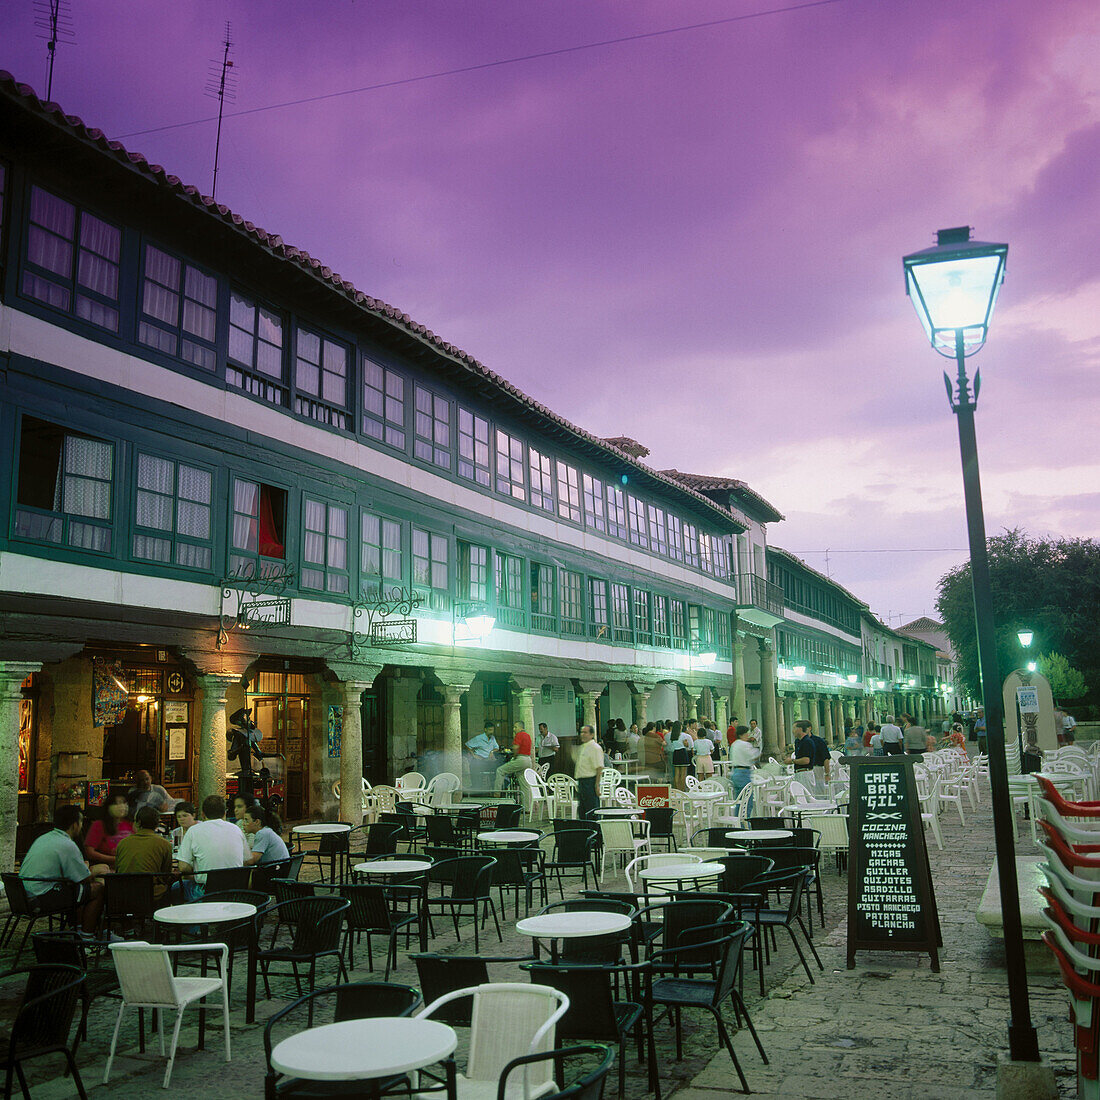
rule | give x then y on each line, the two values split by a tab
953	287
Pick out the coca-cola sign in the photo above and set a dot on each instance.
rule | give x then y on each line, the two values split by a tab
653	797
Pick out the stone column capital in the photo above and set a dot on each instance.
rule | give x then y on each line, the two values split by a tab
526	694
349	672
12	675
216	684
526	683
452	694
591	687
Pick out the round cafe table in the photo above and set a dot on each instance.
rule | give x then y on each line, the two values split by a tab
755	836
569	926
506	836
366	1050
619	811
392	867
325	828
679	873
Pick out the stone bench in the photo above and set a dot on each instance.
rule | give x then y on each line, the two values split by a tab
1037	956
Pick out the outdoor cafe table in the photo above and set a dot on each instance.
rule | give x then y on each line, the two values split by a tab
367	1050
680	873
570	926
619	811
324	828
392	867
758	836
506	836
205	914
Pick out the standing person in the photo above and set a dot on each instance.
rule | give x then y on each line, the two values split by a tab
874	735
823	764
891	737
104	836
681	742
652	749
145	792
262	827
853	744
914	737
731	732
803	754
55	856
589	766
520	762
703	748
979	730
743	754
756	733
548	746
1069	727
210	845
146	852
482	748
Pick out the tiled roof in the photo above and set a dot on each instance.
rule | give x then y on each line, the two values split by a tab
705	482
923	623
22	96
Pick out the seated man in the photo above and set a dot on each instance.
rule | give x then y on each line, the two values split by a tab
521	759
145	851
145	792
210	845
55	856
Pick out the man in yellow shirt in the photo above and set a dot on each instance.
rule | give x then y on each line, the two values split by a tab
587	771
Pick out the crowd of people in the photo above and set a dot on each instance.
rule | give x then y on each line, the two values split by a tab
130	834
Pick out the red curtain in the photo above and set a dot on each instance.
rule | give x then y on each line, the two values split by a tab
271	539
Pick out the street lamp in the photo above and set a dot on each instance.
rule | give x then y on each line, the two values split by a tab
1025	637
953	287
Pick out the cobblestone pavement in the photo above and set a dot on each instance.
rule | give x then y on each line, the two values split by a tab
889	1028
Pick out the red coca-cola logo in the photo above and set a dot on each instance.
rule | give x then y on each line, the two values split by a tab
653	796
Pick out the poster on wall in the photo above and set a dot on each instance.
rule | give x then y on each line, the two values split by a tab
335	731
1027	698
110	692
175	713
97	793
177	742
26	724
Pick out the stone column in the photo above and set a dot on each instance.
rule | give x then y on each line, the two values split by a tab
721	719
452	727
525	709
12	675
641	701
354	680
772	742
213	747
829	730
784	725
738	698
692	703
588	707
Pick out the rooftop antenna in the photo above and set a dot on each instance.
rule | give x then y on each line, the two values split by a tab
827	573
54	19
221	85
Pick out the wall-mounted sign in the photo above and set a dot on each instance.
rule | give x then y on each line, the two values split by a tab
891	904
387	632
653	797
177	742
175	682
1027	698
175	713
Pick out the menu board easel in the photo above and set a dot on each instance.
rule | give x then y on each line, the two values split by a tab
891	904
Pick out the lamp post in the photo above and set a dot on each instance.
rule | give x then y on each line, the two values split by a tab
953	287
1025	638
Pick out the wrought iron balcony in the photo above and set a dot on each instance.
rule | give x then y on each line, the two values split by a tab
758	600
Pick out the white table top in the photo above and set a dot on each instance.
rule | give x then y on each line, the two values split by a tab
214	912
809	807
363	1049
323	827
567	925
392	867
618	811
744	836
705	796
676	872
506	836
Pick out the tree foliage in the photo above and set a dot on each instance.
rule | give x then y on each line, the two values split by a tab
1066	682
1049	586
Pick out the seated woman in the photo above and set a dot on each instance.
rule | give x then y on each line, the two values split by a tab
103	836
262	828
185	818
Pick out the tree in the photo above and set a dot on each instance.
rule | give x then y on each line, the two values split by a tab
1049	586
1065	681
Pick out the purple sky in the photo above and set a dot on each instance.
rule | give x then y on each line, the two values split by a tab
694	238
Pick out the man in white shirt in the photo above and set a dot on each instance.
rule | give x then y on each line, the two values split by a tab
587	769
210	845
891	737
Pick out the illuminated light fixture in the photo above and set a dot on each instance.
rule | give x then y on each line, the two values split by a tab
1032	666
478	619
912	682
799	670
852	677
1026	637
143	698
702	653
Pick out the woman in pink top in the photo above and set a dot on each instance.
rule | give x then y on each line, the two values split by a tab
103	836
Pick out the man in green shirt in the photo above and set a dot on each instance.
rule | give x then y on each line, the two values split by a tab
54	872
145	851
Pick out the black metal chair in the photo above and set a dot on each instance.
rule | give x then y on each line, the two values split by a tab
740	870
594	950
315	925
287	890
22	906
520	870
594	1013
589	1086
713	837
785	859
508	815
660	820
441	974
574	851
350	1001
289	868
129	901
793	883
66	948
240	936
687	920
44	1022
378	910
466	883
676	993
227	878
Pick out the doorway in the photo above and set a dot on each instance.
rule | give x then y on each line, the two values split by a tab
280	709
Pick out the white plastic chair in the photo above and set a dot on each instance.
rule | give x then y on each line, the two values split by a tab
626	798
832	830
508	1020
146	980
564	790
930	812
442	787
951	791
410	781
623	835
538	793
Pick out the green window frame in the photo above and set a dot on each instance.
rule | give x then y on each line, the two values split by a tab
473	448
540	469
173	502
257	529
691	545
569	492
543	605
178	311
642	623
431	427
473	571
430	560
255	355
657	536
571	601
616	512
321	378
383	404
660	621
324	546
677	618
510	591
600	623
510	474
675	538
595	515
381	562
622	627
636	520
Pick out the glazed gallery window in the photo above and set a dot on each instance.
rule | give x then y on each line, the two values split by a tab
324	547
678	621
383	405
691	544
543	608
660	620
432	441
258	529
597	607
429	560
380	560
473	448
473	572
570	591
64	492
569	492
255	350
639	532
620	613
542	484
657	529
172	513
594	515
179	309
321	378
616	512
675	539
509	582
72	260
641	615
510	479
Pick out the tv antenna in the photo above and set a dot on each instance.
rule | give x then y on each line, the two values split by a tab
54	19
221	84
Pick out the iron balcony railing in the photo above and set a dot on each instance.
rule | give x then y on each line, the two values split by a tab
754	591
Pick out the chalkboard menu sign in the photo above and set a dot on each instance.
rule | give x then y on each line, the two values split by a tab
891	906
